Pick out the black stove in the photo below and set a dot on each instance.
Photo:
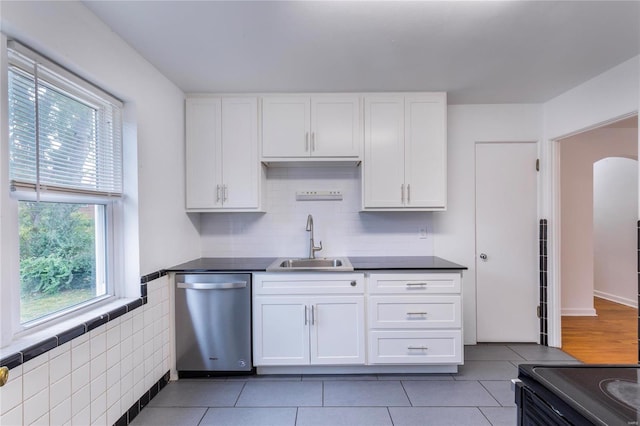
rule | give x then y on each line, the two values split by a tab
578	394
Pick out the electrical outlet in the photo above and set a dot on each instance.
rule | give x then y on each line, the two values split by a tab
422	232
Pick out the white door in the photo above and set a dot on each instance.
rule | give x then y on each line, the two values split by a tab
384	151
240	164
506	242
280	331
335	126
285	126
203	153
337	330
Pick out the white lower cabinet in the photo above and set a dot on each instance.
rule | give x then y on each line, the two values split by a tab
357	323
303	325
415	318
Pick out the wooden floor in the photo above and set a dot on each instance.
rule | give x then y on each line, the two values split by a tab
609	338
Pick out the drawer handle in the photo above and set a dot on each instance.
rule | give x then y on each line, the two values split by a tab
417	348
416	284
416	313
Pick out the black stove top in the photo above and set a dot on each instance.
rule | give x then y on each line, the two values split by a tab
603	394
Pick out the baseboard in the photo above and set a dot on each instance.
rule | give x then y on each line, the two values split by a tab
616	299
568	312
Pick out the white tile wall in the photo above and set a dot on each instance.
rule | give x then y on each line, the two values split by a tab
340	225
97	377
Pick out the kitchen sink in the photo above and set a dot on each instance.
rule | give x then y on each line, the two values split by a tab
305	264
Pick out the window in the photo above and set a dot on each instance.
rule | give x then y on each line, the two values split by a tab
65	169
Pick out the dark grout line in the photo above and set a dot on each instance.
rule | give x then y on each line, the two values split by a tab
235	404
406	393
390	416
203	416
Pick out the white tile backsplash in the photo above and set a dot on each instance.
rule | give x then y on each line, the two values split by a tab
98	342
97	377
12	417
60	391
11	393
36	406
81	417
60	366
80	377
36	380
80	354
340	225
61	413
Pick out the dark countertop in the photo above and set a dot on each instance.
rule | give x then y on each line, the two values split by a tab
256	264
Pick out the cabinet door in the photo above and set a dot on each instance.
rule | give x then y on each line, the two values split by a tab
335	126
203	153
425	151
337	330
285	126
384	152
280	331
240	165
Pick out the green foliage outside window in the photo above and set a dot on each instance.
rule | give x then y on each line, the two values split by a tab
57	247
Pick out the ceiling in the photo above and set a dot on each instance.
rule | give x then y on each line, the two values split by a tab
477	51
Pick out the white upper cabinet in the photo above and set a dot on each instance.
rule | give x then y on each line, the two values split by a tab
405	153
223	172
311	127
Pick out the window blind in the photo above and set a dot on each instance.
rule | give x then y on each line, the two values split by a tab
64	135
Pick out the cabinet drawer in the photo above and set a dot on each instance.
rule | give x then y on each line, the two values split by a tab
415	312
415	347
308	283
414	283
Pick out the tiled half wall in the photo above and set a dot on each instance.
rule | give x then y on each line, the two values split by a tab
101	372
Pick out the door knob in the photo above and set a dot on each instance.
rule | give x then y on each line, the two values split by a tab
483	256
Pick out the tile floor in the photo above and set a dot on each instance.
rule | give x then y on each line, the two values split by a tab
479	394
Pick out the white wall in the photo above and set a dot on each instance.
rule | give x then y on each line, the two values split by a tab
597	101
611	95
577	156
615	216
96	378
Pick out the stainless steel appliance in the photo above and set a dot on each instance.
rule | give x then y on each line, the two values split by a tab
213	323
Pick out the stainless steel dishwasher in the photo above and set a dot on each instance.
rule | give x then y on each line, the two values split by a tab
213	324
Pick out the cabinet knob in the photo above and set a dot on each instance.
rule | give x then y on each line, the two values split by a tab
353	283
483	256
4	375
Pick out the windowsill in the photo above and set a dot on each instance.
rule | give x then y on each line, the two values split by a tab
30	345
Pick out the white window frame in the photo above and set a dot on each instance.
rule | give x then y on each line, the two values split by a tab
11	330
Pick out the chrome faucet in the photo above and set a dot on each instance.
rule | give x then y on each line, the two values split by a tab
312	247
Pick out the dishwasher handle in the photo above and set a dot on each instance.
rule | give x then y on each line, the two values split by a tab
212	286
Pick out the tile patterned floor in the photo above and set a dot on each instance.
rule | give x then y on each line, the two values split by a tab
479	394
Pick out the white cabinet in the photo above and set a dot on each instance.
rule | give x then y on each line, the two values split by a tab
223	172
405	153
415	318
295	322
304	127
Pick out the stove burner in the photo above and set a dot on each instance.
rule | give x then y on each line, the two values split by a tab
622	391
